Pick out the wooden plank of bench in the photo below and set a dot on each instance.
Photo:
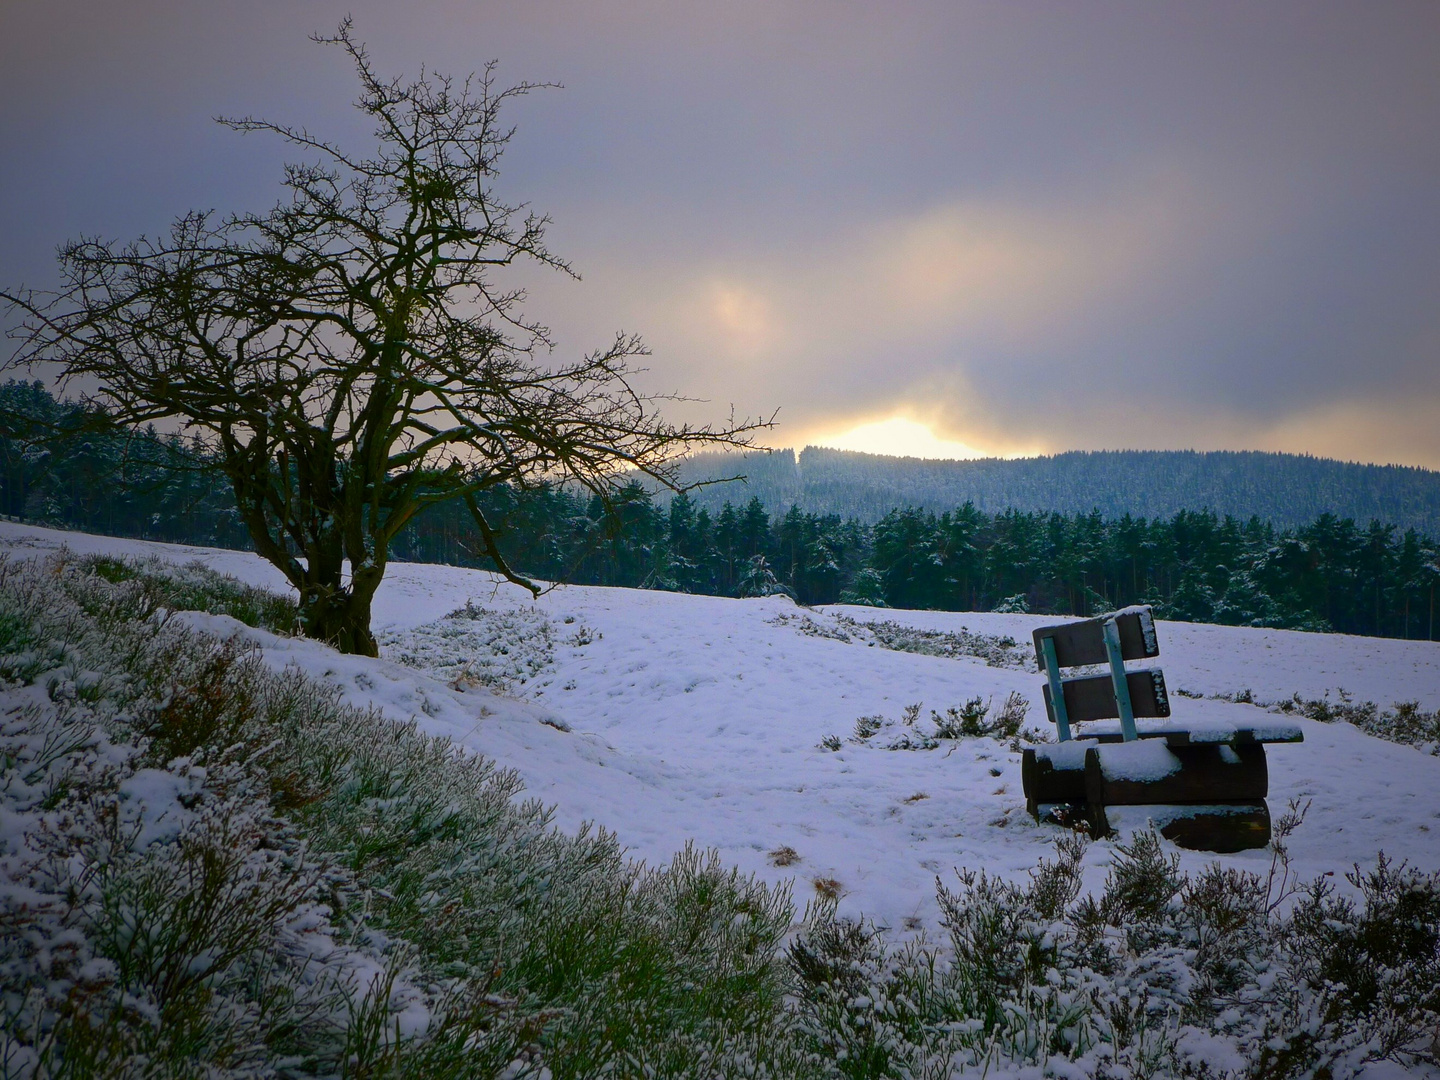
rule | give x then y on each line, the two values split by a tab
1083	641
1053	774
1218	827
1092	697
1181	734
1149	771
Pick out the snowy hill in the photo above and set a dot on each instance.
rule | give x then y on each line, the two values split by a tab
1288	490
669	718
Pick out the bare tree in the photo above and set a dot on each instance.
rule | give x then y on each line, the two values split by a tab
348	356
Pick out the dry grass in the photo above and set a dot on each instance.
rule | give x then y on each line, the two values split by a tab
784	856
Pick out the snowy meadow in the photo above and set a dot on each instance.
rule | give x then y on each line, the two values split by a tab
876	894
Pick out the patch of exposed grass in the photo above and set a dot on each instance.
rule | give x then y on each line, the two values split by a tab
996	650
196	587
1405	722
501	649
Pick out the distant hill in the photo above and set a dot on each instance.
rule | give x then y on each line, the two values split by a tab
1287	489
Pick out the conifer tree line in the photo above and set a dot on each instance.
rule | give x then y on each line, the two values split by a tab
1330	575
61	464
64	464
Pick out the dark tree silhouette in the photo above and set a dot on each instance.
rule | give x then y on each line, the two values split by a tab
348	356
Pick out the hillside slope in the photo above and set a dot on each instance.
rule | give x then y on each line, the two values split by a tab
670	718
1287	489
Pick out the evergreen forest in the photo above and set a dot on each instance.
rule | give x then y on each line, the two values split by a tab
1289	490
63	464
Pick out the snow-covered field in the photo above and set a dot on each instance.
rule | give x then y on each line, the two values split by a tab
668	718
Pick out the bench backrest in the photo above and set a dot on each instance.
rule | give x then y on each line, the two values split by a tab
1111	639
1093	697
1083	641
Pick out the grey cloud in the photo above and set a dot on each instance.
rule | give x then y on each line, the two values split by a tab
1219	220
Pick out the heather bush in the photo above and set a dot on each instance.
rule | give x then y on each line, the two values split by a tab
974	719
1224	973
994	649
1405	722
196	587
977	718
211	867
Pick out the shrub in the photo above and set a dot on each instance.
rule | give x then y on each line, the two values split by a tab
197	587
968	721
866	727
972	720
1405	722
996	650
1161	974
225	870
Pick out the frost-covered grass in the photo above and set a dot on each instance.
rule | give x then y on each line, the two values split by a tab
1405	722
196	587
1224	973
477	646
975	719
210	866
996	650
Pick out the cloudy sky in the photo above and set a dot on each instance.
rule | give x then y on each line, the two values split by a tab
1009	227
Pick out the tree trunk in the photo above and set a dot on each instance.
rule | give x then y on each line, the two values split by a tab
340	618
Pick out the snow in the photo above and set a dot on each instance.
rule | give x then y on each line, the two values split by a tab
667	718
1147	627
1066	756
1145	761
152	802
1259	725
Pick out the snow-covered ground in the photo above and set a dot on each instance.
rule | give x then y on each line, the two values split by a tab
668	718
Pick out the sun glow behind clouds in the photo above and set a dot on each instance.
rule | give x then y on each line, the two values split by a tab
898	437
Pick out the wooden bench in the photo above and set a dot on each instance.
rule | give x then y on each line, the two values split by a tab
1203	786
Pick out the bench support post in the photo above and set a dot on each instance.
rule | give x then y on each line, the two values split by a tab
1117	677
1057	689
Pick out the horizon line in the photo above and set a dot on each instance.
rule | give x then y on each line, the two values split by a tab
1059	453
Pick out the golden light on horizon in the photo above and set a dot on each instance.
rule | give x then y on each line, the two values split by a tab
899	436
